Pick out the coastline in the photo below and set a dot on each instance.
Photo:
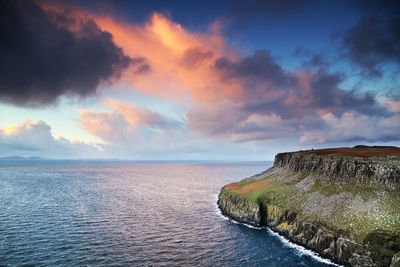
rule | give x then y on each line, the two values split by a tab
283	239
346	245
279	199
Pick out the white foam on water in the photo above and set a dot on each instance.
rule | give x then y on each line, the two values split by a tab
302	250
286	242
226	218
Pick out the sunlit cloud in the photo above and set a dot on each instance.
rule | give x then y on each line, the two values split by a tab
180	63
229	95
126	123
391	104
30	138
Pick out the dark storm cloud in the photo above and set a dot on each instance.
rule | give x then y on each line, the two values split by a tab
42	58
260	66
324	89
272	89
317	60
325	92
311	59
373	42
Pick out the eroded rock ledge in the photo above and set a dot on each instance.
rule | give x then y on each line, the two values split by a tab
285	222
334	169
298	168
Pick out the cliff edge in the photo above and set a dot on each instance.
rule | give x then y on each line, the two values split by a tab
343	203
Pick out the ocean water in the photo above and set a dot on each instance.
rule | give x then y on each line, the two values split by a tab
72	213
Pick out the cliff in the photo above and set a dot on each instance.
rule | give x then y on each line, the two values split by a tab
337	169
342	203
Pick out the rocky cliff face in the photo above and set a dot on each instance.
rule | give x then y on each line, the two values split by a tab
307	234
377	248
238	208
339	170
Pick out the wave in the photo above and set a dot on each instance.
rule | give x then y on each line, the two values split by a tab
300	249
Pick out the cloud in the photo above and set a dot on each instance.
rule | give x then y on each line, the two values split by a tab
48	54
126	123
193	58
239	125
326	92
107	125
353	126
229	96
35	139
268	88
313	60
177	63
373	42
392	105
216	120
259	66
235	122
231	122
135	132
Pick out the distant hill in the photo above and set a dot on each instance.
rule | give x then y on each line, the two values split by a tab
22	158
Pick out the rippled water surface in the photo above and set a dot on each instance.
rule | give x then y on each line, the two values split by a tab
129	213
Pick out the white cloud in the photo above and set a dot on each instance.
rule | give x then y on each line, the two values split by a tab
353	126
129	130
36	139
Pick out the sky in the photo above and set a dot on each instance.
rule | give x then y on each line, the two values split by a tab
197	80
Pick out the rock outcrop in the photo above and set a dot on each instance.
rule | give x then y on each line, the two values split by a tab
395	260
379	248
307	234
239	209
339	170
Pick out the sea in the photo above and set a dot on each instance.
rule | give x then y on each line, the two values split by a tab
126	213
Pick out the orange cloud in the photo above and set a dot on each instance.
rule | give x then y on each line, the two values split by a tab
181	62
11	129
173	62
125	122
243	98
16	129
392	105
136	115
106	125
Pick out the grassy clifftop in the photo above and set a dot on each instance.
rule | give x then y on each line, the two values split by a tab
357	151
351	209
363	206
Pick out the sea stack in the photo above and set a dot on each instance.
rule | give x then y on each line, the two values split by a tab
343	203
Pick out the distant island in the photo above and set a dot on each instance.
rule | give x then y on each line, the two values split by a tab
343	203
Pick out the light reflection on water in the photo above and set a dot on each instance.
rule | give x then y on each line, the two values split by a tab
129	213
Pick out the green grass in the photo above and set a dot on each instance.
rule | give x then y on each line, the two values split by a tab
274	193
254	196
351	222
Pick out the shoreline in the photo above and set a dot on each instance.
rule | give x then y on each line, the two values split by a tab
283	239
339	203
